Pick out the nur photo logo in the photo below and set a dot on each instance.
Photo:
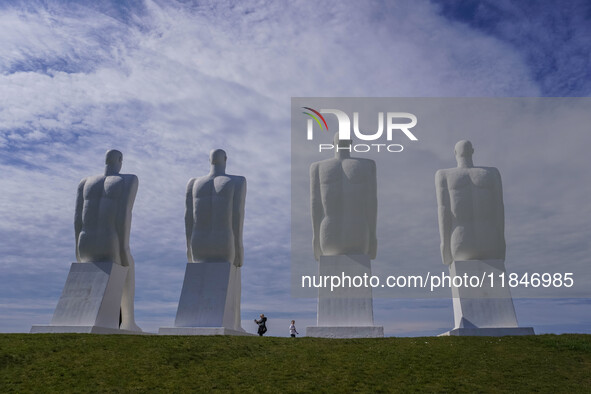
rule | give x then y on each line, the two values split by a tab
397	123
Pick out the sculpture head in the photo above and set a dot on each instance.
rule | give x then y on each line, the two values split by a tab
113	161
218	158
342	148
463	151
341	143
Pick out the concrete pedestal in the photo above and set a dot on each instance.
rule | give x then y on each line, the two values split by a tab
489	332
346	311
39	329
486	310
90	301
209	302
201	331
345	332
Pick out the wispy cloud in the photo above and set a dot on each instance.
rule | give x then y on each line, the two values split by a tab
165	82
552	40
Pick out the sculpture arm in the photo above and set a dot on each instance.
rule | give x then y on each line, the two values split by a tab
78	214
124	219
373	212
316	209
500	212
444	216
238	220
189	220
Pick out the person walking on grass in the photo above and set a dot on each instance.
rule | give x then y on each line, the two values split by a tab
292	329
262	322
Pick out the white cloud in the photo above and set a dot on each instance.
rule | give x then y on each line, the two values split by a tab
174	81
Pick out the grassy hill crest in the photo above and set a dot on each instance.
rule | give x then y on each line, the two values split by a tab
114	363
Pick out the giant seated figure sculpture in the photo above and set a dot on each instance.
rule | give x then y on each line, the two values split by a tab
99	293
343	196
214	217
472	230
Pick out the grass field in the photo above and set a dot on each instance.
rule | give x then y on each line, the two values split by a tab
112	363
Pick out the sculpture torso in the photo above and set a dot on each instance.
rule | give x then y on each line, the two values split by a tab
475	201
104	204
346	224
212	236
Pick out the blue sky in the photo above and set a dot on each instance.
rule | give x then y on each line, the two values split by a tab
165	82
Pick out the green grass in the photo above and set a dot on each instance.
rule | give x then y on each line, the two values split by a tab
113	363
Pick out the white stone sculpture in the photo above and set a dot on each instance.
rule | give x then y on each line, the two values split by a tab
472	227
343	195
214	214
470	210
102	224
101	286
214	217
344	204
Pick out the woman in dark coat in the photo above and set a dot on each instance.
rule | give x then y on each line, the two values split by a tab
262	324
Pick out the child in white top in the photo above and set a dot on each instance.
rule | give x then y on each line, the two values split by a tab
292	329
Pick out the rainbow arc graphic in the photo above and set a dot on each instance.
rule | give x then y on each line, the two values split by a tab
316	117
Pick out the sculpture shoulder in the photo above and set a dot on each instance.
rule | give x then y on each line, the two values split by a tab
239	179
198	181
92	179
131	183
314	167
91	186
441	176
484	177
368	162
357	168
191	183
130	178
322	169
324	163
444	172
494	171
82	183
